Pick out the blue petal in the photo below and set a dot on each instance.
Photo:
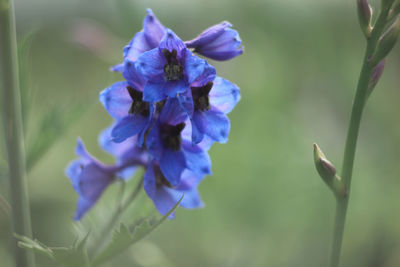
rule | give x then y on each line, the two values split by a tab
83	206
118	68
137	46
149	181
213	123
192	200
194	66
219	42
163	198
225	47
128	126
196	158
172	113
224	95
186	102
172	164
81	151
172	88
197	133
153	30
153	142
154	91
151	65
172	42
132	76
208	75
208	35
116	100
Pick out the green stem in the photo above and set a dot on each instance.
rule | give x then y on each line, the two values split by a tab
98	244
352	136
13	132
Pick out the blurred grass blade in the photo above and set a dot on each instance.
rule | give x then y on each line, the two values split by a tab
50	128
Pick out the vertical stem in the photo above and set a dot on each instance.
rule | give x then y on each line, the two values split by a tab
12	120
352	136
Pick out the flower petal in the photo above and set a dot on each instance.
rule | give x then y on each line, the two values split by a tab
129	126
208	35
154	91
172	113
208	75
219	42
224	95
153	29
172	164
151	65
172	42
137	46
116	100
213	123
194	66
197	159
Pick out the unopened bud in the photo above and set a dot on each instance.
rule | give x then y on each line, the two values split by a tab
324	167
364	16
376	75
386	42
328	173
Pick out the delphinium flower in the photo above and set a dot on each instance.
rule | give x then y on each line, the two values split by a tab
168	111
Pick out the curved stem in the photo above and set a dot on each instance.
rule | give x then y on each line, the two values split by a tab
122	206
352	136
12	119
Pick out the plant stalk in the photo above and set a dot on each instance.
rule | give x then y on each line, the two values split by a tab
13	132
115	216
352	135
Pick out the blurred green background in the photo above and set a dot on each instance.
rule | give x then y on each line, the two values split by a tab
265	204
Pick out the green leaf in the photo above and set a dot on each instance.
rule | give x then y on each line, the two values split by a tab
125	236
73	256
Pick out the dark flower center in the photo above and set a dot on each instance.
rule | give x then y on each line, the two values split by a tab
160	178
173	70
201	100
138	106
171	135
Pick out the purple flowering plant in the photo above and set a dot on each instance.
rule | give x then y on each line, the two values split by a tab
168	110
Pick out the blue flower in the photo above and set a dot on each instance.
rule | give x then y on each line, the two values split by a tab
128	154
169	69
218	42
145	40
165	196
89	178
207	102
124	103
167	143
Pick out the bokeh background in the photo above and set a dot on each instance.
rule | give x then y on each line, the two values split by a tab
265	204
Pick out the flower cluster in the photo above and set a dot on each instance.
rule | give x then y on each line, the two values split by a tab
167	113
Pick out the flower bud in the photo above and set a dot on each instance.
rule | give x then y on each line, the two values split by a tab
324	167
328	173
386	42
364	16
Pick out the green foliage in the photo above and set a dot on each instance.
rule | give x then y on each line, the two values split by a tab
125	236
76	255
73	256
50	128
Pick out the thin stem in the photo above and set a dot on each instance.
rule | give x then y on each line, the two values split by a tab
114	217
12	119
352	136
